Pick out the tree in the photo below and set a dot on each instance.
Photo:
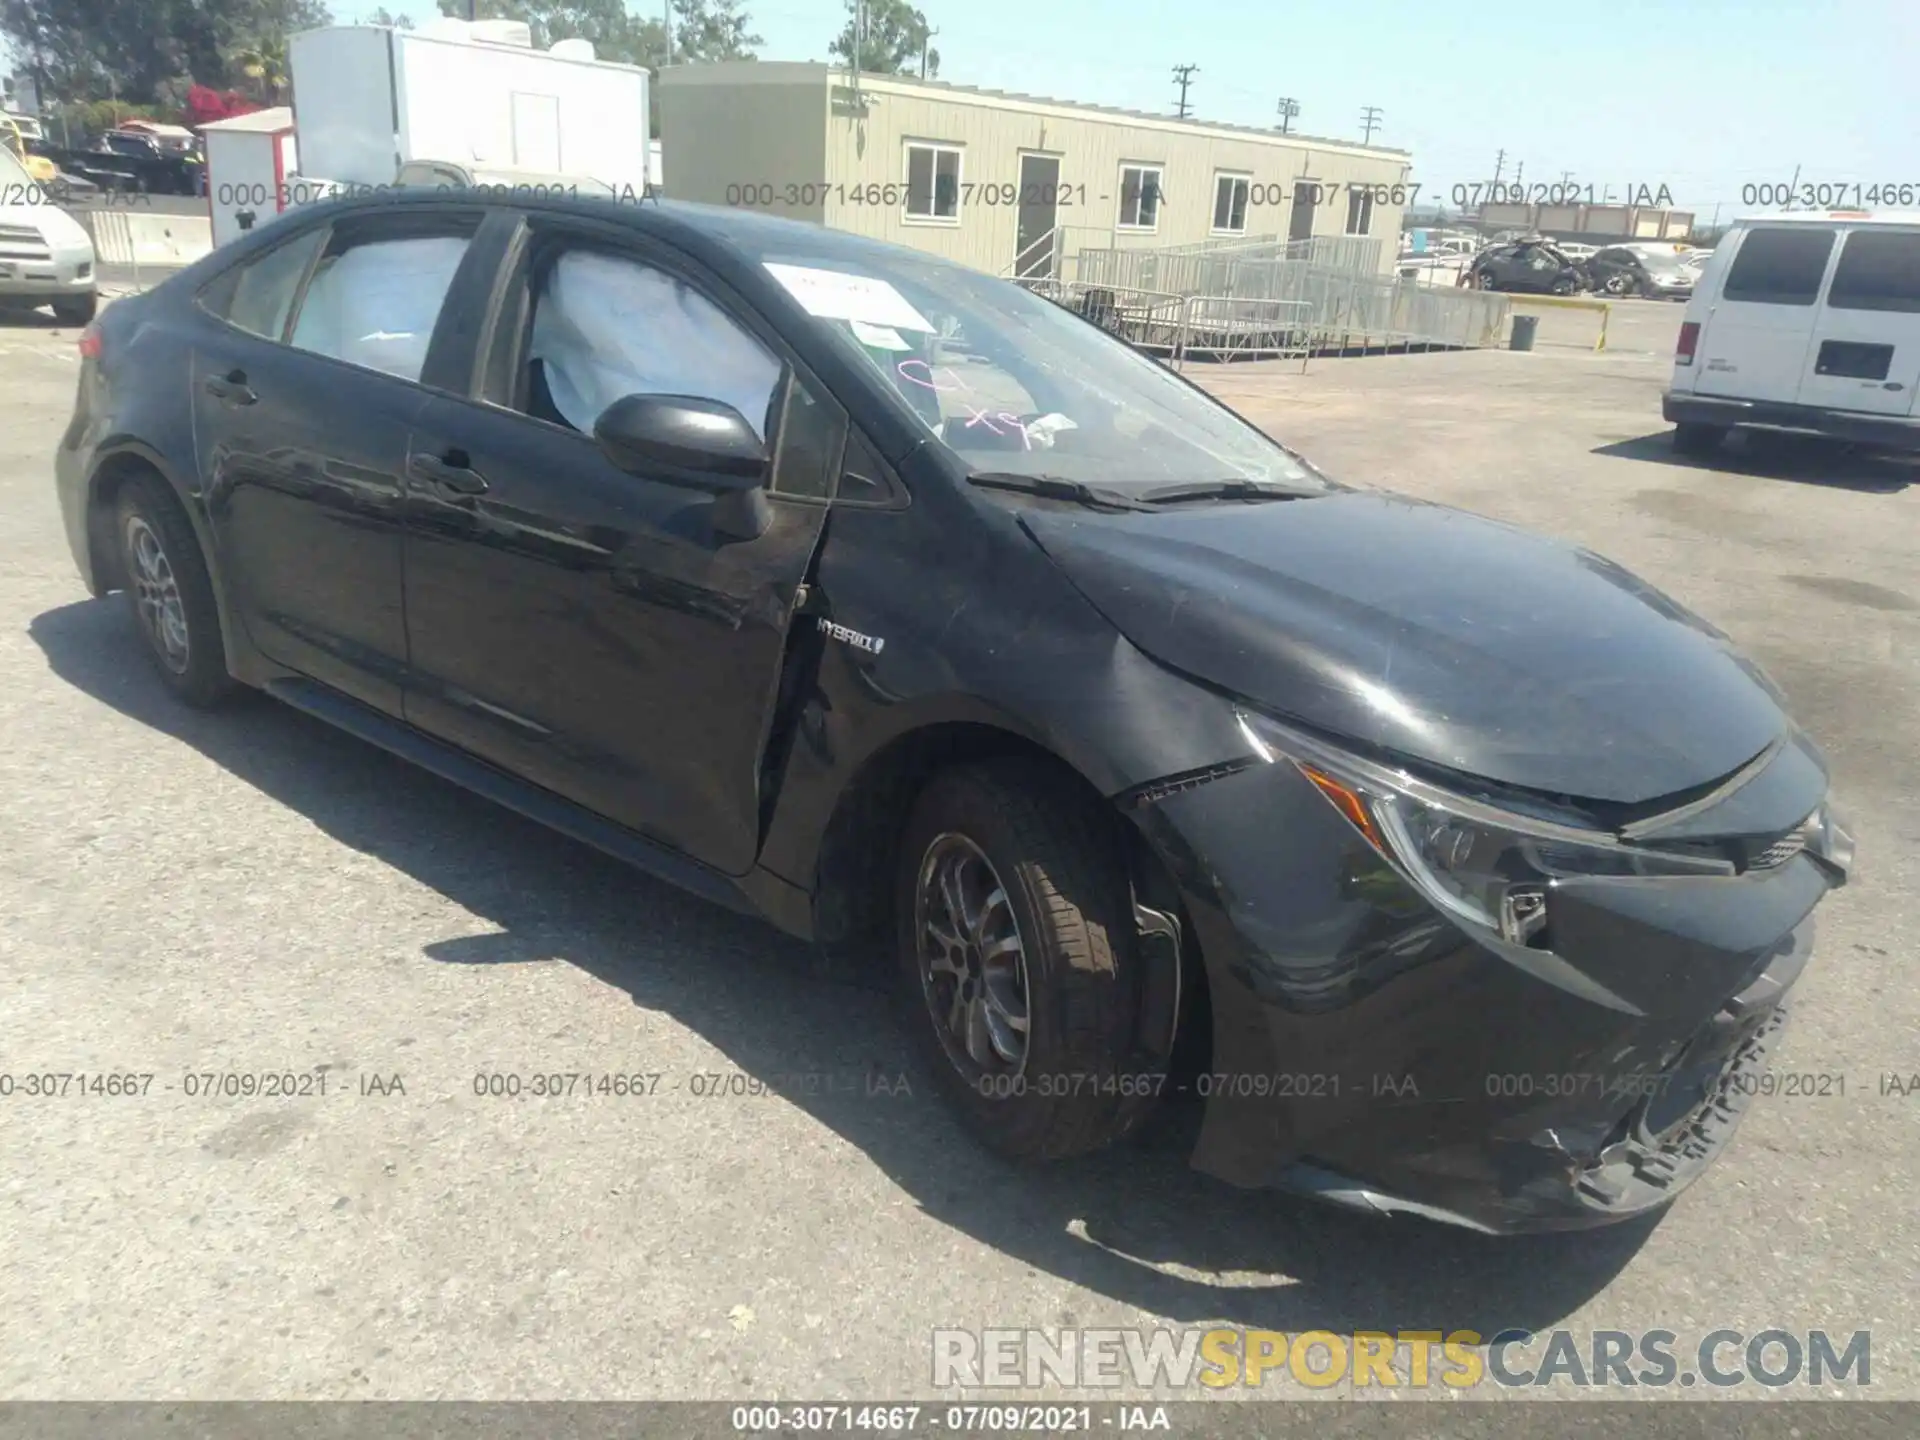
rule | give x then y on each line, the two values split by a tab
710	30
383	16
143	51
895	42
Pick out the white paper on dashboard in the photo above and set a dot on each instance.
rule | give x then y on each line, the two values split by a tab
881	337
836	295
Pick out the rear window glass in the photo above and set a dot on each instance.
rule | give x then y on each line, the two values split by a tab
1779	266
1878	270
258	296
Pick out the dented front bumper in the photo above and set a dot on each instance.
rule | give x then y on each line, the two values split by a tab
1368	1050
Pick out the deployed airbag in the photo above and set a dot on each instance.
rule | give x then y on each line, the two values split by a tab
606	328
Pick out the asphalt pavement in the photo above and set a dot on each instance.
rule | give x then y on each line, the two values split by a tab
786	1211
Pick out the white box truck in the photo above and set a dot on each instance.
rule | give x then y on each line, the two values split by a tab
368	99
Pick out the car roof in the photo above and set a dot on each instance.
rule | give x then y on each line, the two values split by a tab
1831	217
744	230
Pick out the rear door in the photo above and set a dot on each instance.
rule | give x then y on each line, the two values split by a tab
1756	331
303	400
1866	337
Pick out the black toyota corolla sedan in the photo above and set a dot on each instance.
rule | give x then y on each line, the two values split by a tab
1459	872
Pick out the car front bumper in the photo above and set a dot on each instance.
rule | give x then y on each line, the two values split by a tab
33	279
1368	1051
1895	432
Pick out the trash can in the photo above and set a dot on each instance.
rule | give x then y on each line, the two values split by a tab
1523	328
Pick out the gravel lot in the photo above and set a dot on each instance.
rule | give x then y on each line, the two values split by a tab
250	892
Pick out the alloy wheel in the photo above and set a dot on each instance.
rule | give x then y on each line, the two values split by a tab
973	962
157	599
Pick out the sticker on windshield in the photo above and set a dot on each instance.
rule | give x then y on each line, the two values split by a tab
836	295
880	337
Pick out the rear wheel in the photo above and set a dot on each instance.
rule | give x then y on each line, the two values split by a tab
171	593
1020	966
1692	438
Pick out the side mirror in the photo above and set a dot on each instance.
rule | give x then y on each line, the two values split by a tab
683	440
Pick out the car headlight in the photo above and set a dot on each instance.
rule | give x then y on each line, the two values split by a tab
1490	866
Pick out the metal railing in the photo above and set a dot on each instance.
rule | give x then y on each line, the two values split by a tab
1334	314
1344	310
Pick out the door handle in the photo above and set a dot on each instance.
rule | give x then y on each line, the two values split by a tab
231	387
448	473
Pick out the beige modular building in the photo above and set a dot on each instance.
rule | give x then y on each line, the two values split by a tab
1009	183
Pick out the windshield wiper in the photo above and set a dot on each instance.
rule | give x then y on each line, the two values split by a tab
1055	487
1225	490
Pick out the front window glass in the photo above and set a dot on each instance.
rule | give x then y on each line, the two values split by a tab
1011	382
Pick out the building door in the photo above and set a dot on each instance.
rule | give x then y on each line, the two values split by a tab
1039	214
1306	195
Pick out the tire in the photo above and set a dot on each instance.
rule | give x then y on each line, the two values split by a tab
171	594
77	309
1692	438
1018	828
1482	280
1563	286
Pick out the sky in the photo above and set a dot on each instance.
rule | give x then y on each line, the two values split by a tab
1705	97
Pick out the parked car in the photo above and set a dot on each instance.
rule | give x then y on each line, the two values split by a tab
882	598
1531	265
1653	274
1807	322
46	258
1575	251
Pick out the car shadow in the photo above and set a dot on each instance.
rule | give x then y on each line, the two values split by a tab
1134	1224
1781	455
14	317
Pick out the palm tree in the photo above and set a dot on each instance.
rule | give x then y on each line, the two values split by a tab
264	64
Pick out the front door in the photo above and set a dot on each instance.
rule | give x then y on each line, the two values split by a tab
304	390
594	630
1866	337
1034	245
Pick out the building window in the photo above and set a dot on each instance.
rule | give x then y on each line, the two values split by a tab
1139	197
933	182
1359	211
1230	203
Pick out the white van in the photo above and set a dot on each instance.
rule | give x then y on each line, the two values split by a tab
1807	322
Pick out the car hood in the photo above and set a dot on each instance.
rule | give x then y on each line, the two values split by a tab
1426	631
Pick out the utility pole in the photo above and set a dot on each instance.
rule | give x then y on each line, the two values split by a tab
1289	107
666	18
1499	165
1792	186
1183	77
1370	119
926	44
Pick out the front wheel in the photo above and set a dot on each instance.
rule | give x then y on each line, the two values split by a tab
1020	966
1563	286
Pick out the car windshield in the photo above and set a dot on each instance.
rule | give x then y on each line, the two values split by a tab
1014	384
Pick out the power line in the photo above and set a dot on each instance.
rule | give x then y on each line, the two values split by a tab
1370	119
1183	77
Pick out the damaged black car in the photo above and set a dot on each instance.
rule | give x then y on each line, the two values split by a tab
1456	871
